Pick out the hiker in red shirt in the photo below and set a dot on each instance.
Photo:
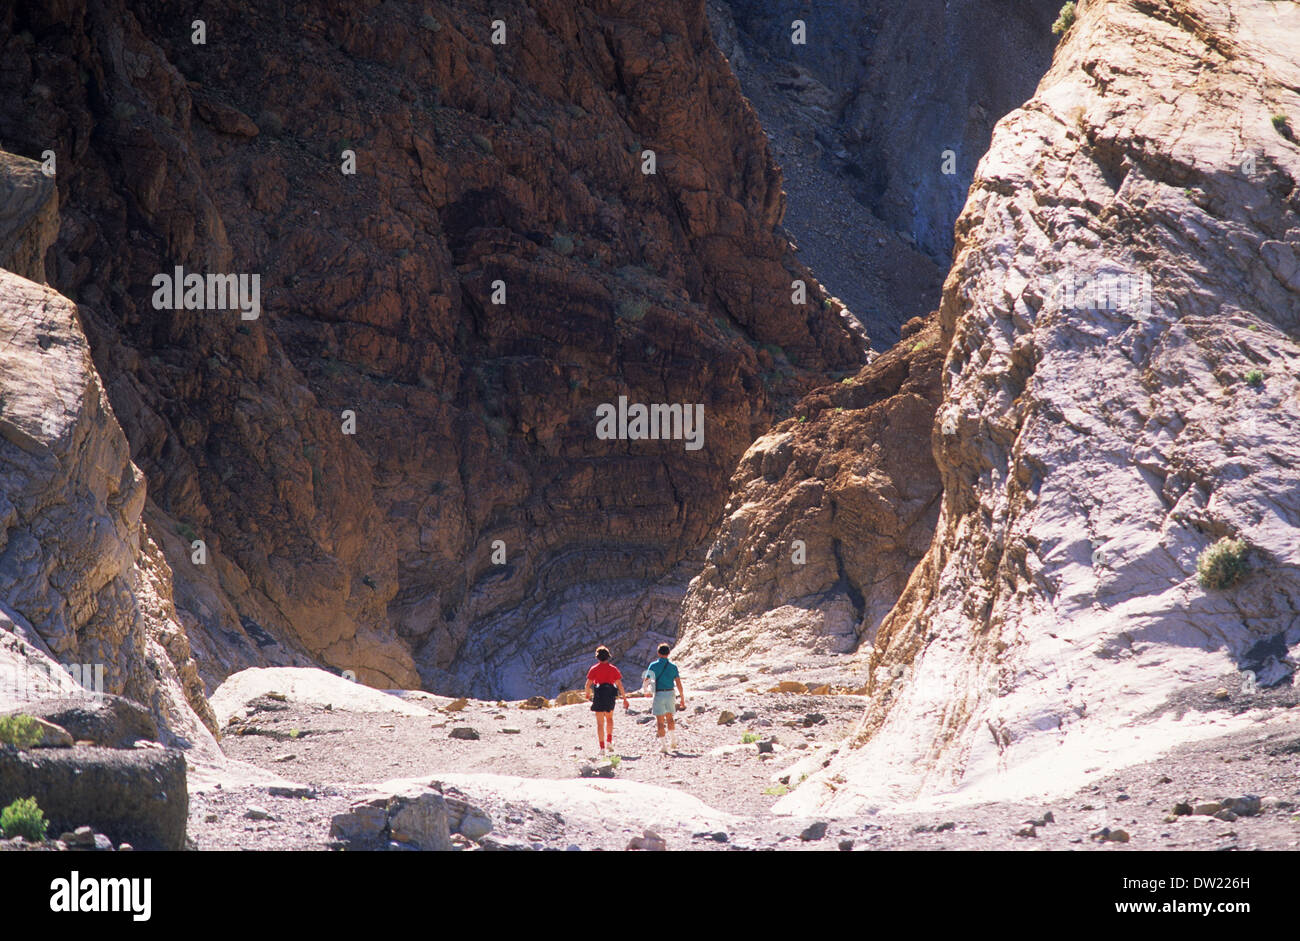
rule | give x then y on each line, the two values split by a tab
608	683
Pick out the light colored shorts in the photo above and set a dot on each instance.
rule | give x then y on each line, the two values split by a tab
665	703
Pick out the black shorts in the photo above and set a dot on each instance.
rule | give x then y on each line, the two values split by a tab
604	697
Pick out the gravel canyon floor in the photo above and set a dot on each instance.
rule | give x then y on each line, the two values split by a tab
716	791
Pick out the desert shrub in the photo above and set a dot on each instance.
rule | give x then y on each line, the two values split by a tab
20	730
1254	378
749	738
1064	20
1281	126
1223	564
23	818
562	244
482	143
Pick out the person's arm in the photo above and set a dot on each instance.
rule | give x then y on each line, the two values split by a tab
586	690
681	693
622	692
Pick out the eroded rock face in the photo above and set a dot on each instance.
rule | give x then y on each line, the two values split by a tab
478	166
830	512
135	795
1099	431
29	216
80	580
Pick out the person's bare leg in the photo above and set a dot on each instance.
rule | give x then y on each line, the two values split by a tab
672	730
600	730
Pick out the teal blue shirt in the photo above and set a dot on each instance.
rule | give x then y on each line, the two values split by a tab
665	672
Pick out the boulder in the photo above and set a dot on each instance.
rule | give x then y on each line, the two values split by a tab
504	844
107	720
648	840
420	820
1247	805
137	796
413	818
362	825
814	831
465	818
52	736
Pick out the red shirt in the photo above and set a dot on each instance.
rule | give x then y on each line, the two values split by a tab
604	673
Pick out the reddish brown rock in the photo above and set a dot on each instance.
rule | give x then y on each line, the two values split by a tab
830	512
475	163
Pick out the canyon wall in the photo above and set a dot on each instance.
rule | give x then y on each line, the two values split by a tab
1120	393
829	513
82	583
878	118
473	535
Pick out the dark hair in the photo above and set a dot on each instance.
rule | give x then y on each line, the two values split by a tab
602	653
663	650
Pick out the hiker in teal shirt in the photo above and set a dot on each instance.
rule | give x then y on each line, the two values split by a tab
665	674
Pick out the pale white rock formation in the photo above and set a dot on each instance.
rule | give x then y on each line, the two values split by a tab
592	802
1127	257
81	581
305	686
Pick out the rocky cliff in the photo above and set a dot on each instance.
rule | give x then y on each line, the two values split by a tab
1119	395
393	469
829	513
878	118
81	581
